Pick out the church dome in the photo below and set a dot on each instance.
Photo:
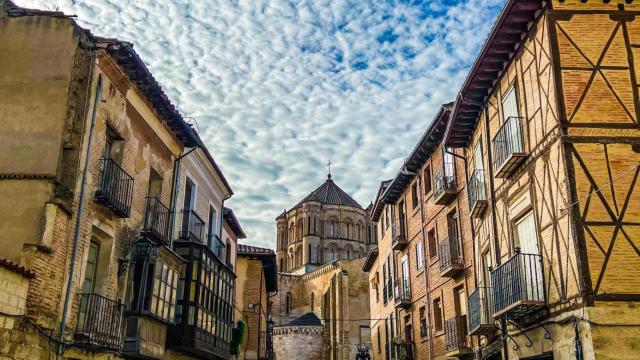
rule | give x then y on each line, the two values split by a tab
329	194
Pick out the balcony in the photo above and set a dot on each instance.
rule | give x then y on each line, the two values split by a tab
450	257
477	194
100	322
398	235
508	148
115	188
404	349
402	294
456	343
480	305
192	227
445	187
156	221
518	286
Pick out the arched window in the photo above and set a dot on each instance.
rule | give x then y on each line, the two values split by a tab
332	254
313	300
331	228
287	303
281	264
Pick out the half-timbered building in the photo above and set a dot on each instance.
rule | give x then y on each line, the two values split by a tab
548	122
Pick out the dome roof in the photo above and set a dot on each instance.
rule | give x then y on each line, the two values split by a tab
330	194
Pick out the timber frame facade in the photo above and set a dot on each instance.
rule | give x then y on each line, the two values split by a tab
548	122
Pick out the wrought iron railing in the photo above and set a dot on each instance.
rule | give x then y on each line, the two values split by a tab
115	188
449	253
480	305
100	322
156	220
455	333
192	226
399	232
443	181
518	281
508	141
402	290
476	188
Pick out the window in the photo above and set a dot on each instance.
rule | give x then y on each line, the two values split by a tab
403	220
477	156
423	322
431	237
460	301
419	255
386	216
526	235
437	315
312	302
408	328
155	184
510	104
452	224
90	270
165	283
448	161
287	303
189	195
365	335
414	195
331	228
378	340
427	180
213	228
384	283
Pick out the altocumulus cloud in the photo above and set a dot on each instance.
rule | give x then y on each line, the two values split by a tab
279	87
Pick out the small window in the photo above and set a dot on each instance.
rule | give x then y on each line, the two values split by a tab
414	195
437	315
378	340
431	236
419	255
427	179
287	303
423	322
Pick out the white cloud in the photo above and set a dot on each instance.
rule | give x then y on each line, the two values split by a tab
279	87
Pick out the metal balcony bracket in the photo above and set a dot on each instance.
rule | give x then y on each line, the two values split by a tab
528	343
547	333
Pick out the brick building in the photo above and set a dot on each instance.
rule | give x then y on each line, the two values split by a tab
87	205
424	262
257	283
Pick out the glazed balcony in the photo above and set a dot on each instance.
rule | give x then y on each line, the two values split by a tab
100	322
192	227
445	187
450	257
115	188
402	294
508	147
480	305
477	194
518	286
398	235
156	221
456	342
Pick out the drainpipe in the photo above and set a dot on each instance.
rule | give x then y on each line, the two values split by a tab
174	194
426	269
83	192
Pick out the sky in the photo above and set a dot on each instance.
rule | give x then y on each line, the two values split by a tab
278	88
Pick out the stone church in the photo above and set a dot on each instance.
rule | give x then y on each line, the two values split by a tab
322	307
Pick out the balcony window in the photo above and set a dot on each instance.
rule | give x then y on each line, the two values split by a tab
192	226
450	251
205	313
427	179
156	221
437	315
423	321
433	245
414	195
445	178
455	336
419	255
115	188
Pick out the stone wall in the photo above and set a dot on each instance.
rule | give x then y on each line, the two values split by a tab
298	342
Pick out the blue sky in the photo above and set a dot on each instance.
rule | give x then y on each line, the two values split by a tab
280	87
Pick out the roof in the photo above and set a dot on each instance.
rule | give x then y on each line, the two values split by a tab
308	319
370	259
132	65
429	141
329	194
231	219
377	205
10	265
495	54
268	258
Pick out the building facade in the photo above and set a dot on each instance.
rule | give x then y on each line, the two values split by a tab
88	203
257	283
550	140
424	265
322	242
